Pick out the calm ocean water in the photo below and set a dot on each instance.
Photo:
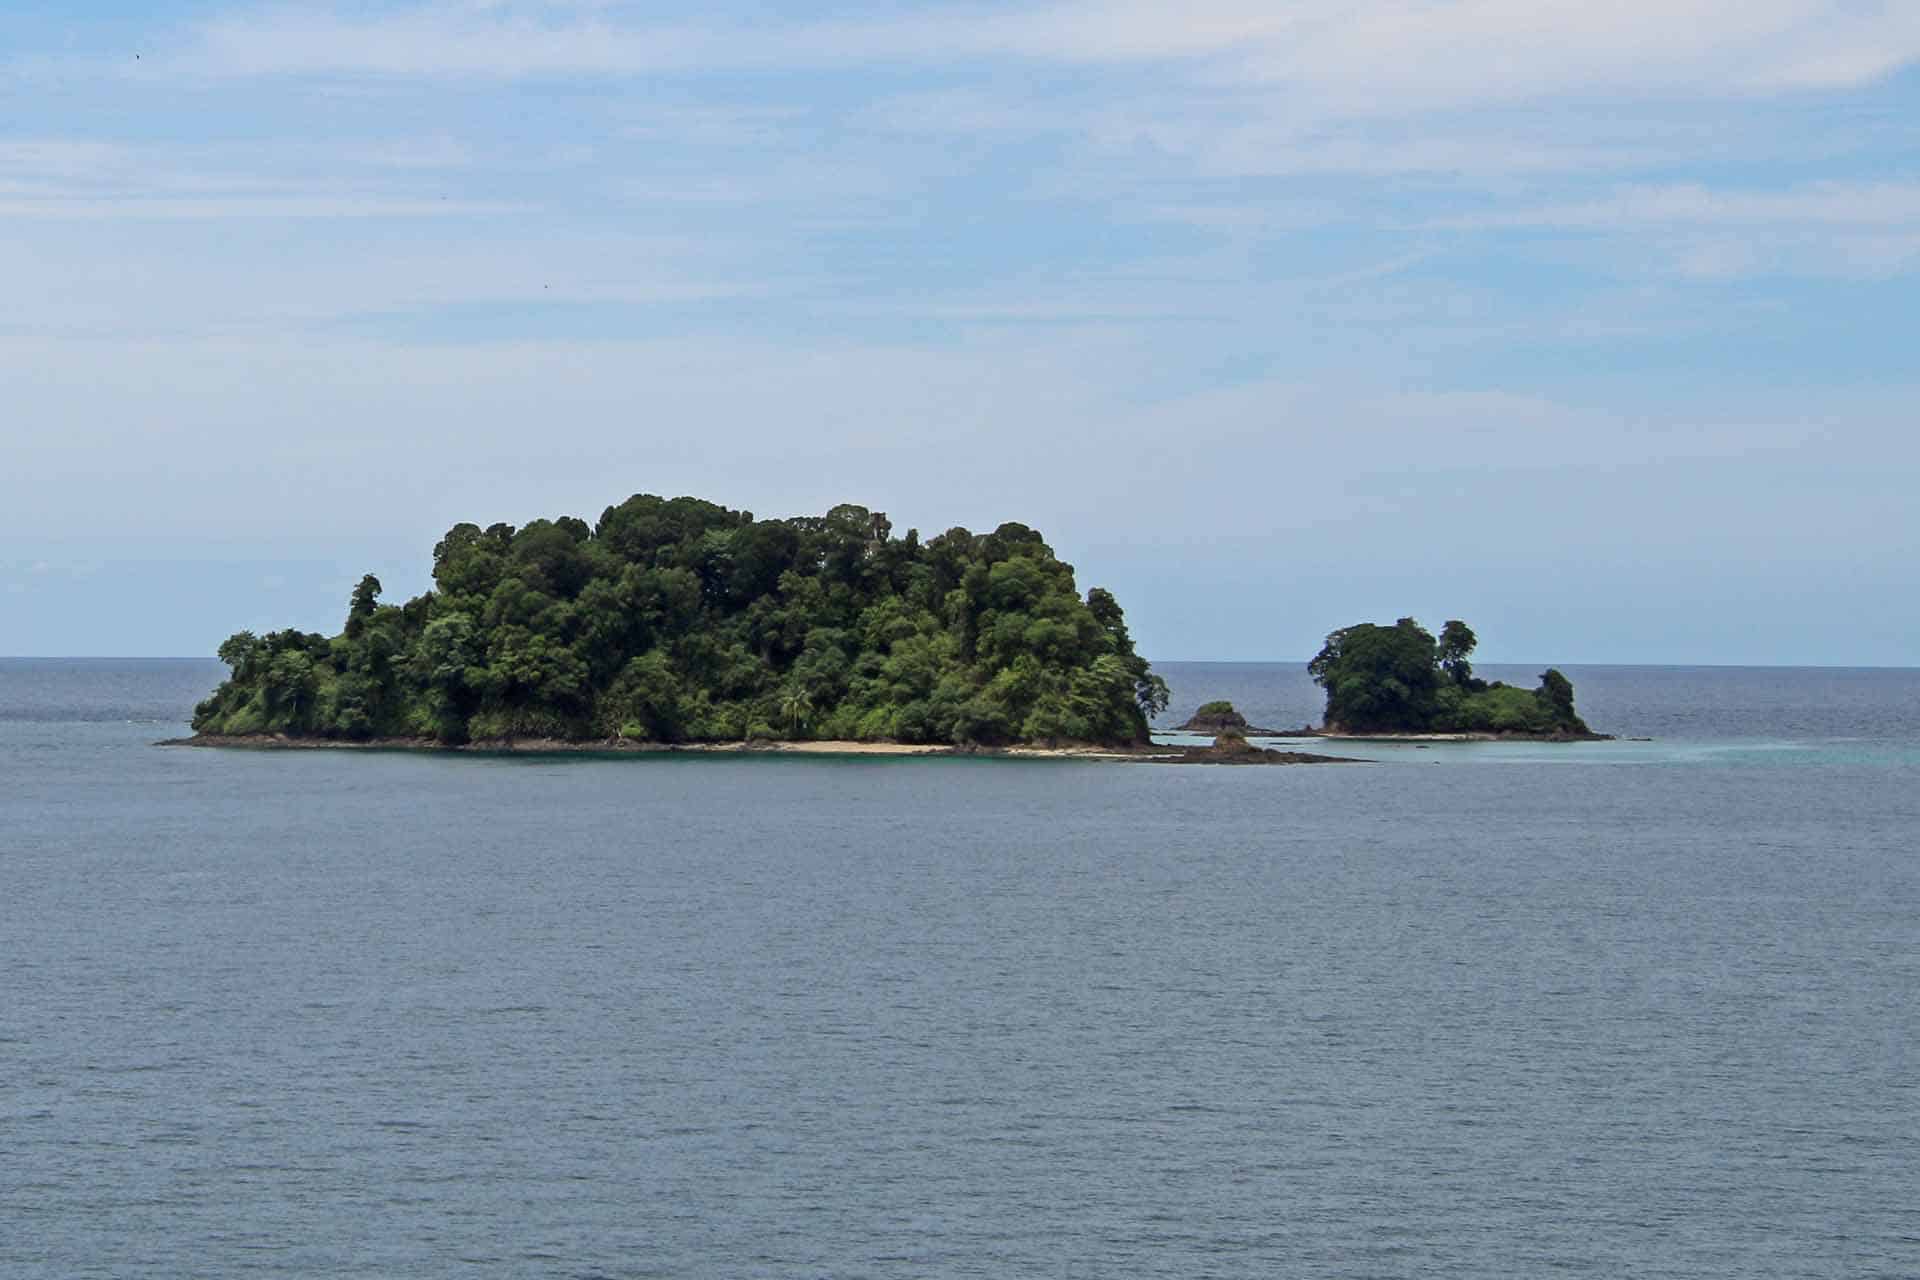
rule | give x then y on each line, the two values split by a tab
1619	1009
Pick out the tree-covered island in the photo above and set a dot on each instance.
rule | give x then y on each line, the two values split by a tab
1402	680
677	620
1220	717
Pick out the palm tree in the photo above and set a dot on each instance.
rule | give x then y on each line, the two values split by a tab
797	708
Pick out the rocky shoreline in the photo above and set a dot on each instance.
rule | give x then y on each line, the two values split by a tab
1228	754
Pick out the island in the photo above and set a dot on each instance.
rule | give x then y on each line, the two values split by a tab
681	624
1400	681
1221	719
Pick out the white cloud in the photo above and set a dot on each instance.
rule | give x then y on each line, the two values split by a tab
68	209
58	158
443	40
847	189
87	281
435	152
1242	133
714	125
1883	204
1339	57
76	180
1704	233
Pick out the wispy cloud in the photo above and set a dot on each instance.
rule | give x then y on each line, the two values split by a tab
1222	132
1706	233
309	206
82	180
56	158
201	279
714	124
1341	57
495	41
1821	203
436	152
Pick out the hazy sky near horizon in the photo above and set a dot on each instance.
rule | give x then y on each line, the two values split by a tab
1596	325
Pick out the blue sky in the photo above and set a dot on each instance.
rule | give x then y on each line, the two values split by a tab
1597	325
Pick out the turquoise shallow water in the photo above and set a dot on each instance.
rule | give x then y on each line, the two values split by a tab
388	1014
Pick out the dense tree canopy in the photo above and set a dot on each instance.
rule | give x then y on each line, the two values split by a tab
1399	679
679	620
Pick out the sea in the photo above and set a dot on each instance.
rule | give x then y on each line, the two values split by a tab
1615	1009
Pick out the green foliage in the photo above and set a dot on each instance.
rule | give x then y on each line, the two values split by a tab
1379	679
678	620
1151	695
1217	708
1399	679
361	606
1456	642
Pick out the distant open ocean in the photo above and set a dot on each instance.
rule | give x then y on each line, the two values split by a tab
1640	1009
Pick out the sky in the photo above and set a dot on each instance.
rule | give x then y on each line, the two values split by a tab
1595	325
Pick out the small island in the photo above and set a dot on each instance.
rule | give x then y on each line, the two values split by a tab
681	621
1400	681
1221	719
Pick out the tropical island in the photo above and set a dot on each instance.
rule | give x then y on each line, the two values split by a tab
681	621
1399	680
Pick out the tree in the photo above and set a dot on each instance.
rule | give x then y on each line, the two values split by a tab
1457	641
240	651
797	710
360	607
551	559
1556	693
1380	679
648	701
1151	695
